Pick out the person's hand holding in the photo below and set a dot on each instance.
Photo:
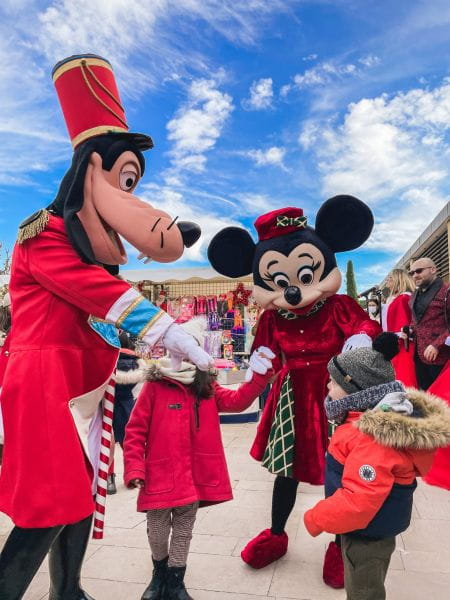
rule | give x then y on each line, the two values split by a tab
430	353
136	483
260	362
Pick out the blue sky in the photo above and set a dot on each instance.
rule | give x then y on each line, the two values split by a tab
252	105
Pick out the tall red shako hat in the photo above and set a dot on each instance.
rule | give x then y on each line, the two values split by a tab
90	100
280	222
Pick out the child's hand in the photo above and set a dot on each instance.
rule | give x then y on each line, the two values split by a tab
259	362
136	483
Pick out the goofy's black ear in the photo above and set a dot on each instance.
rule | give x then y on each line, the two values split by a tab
344	223
231	252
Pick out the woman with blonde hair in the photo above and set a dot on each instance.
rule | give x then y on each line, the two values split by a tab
396	317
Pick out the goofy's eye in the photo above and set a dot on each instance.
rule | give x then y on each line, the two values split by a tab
281	280
306	275
128	180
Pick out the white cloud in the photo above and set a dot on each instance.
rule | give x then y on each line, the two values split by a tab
261	95
149	43
271	156
310	57
369	61
254	204
328	72
398	226
197	125
393	153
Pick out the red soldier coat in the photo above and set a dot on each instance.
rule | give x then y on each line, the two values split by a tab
58	368
303	347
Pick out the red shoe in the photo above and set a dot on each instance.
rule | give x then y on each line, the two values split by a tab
333	567
264	549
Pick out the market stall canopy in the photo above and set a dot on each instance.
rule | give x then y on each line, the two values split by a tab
176	274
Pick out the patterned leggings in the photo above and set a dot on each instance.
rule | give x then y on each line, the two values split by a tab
159	522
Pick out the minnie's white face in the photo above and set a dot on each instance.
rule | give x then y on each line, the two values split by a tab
295	280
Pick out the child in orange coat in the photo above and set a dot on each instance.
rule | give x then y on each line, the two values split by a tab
386	436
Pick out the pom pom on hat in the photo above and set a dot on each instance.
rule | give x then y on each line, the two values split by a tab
386	344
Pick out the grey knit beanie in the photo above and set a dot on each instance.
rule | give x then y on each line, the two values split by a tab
363	368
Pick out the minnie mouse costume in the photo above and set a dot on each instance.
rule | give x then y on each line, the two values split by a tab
305	323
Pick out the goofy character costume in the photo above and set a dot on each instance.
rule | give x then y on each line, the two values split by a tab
305	323
63	345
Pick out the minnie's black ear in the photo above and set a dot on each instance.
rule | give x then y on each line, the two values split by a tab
231	252
344	223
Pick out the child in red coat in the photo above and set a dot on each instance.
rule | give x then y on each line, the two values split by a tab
173	452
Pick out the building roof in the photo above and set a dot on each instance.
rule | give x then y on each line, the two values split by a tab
171	274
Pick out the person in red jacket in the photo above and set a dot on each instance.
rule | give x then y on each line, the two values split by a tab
173	452
386	436
397	318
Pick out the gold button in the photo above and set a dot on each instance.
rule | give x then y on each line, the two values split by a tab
301	331
307	364
6	353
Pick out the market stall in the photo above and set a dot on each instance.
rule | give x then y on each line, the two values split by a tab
226	305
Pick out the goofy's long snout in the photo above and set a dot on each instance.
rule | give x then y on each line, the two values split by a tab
190	232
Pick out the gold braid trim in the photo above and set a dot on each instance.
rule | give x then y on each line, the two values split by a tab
37	226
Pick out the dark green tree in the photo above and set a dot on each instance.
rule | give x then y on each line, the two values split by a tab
351	282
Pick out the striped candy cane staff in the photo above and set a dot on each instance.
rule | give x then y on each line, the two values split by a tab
105	451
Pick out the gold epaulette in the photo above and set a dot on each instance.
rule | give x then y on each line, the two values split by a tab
33	226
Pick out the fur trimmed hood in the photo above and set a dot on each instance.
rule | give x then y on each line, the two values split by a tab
132	376
427	429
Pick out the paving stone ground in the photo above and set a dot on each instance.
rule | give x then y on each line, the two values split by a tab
119	566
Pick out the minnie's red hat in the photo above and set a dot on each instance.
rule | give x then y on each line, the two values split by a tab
90	100
280	222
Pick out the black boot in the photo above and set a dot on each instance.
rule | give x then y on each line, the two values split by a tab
111	484
175	589
156	587
65	560
21	557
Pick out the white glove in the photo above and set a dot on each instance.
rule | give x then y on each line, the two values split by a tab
259	362
182	345
359	340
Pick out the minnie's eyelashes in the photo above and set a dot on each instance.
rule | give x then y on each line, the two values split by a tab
271	276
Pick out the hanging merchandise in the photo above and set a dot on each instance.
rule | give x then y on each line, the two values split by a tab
222	305
241	295
238	333
187	309
201	305
228	351
213	343
230	305
213	317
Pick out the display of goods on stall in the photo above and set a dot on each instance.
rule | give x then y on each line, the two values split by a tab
230	319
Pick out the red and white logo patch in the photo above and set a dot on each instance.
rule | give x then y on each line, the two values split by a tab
367	473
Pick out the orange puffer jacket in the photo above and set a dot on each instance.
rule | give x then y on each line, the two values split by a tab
372	463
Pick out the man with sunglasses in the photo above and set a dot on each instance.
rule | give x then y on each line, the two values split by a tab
430	317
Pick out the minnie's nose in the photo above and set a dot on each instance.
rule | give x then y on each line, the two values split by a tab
292	295
190	232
